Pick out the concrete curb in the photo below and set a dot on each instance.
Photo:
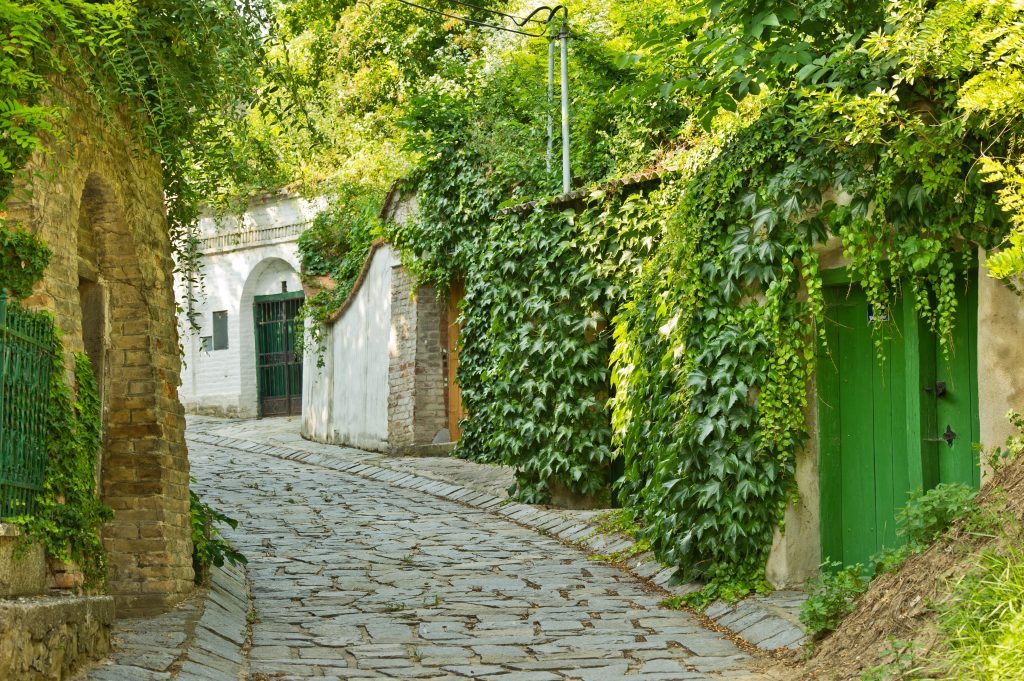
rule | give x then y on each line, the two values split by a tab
767	622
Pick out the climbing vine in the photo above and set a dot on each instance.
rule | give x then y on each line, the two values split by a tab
23	258
535	373
69	513
334	248
696	310
186	70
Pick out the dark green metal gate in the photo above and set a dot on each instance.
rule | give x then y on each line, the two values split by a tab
25	362
278	369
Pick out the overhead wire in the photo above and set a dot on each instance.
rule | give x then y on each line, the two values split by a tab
518	21
484	24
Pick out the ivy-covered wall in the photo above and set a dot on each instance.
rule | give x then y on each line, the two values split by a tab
660	344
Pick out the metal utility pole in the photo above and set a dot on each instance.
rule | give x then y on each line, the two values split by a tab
551	99
548	14
563	38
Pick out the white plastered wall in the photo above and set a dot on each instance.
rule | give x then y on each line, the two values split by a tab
346	400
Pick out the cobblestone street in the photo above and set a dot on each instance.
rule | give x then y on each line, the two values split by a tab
358	579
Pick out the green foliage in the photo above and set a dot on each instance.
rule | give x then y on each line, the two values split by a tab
926	516
713	357
673	332
1014	446
176	75
983	619
535	375
209	548
922	520
23	258
714	326
833	597
336	246
891	558
977	45
70	514
901	662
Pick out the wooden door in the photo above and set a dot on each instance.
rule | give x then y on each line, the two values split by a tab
956	426
886	394
862	417
456	293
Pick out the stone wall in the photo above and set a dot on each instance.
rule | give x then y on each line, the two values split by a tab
22	568
382	380
48	638
345	399
1000	359
98	202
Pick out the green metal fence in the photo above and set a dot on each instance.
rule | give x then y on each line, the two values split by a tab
25	363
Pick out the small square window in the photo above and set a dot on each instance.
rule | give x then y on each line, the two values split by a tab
220	330
206	343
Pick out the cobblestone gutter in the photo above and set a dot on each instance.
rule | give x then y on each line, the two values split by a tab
203	639
766	622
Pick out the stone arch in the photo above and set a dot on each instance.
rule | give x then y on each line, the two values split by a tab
265	278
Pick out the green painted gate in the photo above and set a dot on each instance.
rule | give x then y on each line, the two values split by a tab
278	368
890	424
26	359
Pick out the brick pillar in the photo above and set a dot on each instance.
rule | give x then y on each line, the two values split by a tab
416	376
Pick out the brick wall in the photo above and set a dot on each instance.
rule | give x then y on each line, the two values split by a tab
416	378
98	202
402	365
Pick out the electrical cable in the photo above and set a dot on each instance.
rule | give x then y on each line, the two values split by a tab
472	21
518	21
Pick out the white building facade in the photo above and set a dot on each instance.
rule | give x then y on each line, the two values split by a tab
237	351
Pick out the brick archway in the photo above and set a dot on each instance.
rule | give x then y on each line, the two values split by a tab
140	477
97	199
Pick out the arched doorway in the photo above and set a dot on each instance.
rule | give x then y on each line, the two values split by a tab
271	370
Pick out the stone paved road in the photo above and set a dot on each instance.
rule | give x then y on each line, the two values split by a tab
356	579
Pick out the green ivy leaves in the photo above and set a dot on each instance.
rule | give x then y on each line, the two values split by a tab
534	366
23	259
70	512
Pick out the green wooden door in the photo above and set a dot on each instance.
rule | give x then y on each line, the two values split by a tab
862	416
278	367
956	399
882	416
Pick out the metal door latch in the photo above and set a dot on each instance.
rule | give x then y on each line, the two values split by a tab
948	437
939	389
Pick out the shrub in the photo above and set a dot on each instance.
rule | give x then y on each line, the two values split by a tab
926	516
208	546
832	598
